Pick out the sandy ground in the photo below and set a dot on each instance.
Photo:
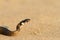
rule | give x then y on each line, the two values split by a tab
44	15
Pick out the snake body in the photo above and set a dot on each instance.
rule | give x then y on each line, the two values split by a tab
7	32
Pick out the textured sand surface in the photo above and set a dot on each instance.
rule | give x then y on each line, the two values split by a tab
44	15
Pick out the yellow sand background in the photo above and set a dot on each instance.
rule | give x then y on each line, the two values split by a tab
44	15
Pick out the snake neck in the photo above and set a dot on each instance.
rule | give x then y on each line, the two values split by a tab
18	27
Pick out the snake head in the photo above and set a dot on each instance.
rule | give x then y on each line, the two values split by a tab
24	21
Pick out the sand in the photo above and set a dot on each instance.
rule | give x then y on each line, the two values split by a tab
44	15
